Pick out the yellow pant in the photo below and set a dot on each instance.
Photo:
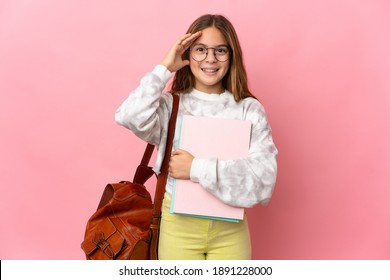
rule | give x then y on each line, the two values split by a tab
191	238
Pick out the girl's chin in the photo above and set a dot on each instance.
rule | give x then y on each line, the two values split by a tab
210	80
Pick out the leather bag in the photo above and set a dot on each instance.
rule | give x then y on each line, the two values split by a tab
126	223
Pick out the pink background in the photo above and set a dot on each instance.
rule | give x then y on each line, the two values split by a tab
320	68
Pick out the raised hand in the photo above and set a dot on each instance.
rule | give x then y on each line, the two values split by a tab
173	59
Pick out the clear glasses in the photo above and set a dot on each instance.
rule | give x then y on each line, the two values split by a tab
200	52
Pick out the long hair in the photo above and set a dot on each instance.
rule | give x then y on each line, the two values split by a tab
235	80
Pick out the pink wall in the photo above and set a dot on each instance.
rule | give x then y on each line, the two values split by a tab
320	68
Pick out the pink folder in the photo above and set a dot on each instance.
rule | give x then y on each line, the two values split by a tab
206	137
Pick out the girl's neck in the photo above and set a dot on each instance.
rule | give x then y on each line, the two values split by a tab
216	89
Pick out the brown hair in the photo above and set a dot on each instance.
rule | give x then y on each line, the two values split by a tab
235	79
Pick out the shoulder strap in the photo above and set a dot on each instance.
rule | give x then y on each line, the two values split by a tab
162	181
163	176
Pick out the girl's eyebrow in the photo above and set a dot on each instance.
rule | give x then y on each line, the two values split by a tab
204	45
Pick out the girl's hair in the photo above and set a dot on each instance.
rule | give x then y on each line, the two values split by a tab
235	80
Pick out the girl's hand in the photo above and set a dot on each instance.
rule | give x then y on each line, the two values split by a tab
180	164
173	59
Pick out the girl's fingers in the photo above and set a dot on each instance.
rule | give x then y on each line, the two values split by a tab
188	39
193	37
183	38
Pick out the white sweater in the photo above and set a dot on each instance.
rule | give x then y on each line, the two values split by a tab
244	182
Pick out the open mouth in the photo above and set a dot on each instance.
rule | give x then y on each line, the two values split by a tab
209	70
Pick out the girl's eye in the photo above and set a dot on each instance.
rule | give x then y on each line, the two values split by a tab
201	49
221	50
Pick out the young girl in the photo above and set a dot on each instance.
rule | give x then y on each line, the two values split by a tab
211	80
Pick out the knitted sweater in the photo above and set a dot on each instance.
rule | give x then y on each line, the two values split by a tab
242	182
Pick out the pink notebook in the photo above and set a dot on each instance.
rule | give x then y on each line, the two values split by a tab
206	137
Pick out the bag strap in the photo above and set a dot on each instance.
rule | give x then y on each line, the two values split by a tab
162	181
163	176
144	172
147	154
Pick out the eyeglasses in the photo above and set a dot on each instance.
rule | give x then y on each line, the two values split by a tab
200	52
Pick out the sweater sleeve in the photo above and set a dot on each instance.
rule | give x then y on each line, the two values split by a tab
146	110
247	181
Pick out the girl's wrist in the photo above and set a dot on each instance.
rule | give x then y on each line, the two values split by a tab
165	65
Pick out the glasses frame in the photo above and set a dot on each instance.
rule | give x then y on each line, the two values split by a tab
207	53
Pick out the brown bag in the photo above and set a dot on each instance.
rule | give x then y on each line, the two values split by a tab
126	224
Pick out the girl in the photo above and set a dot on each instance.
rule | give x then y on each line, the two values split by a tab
211	80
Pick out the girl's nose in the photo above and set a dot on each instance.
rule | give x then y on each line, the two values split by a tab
211	58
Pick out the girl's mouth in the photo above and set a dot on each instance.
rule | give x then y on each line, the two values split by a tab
209	70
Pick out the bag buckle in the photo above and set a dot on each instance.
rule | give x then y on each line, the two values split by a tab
103	245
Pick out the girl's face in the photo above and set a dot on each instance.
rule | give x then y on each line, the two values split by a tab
209	72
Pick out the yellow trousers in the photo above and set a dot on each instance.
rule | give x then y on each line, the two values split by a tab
191	238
